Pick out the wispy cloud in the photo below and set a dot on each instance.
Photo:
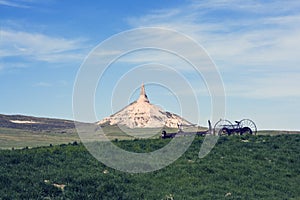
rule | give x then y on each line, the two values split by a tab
17	4
238	40
59	83
276	85
43	84
248	37
40	47
250	6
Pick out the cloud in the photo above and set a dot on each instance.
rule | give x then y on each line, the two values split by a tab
59	83
152	45
279	85
250	6
256	38
236	40
43	84
40	47
17	4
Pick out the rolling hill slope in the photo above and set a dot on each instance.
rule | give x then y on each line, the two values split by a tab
238	167
39	124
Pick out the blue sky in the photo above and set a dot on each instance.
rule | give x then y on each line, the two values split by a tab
254	44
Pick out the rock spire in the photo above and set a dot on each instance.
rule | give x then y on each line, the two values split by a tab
143	97
143	114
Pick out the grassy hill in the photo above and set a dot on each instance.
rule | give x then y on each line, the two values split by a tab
238	167
46	131
37	131
18	131
37	124
19	138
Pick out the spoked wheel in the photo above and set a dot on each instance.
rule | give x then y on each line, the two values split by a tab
246	131
223	127
247	126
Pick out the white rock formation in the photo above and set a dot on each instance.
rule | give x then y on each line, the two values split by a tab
143	114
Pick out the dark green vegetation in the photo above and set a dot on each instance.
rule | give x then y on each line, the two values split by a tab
238	167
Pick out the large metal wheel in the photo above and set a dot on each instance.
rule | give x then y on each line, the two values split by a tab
247	126
223	127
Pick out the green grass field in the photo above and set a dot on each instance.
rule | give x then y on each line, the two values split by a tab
238	167
17	138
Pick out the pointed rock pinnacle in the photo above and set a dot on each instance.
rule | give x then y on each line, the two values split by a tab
143	114
143	97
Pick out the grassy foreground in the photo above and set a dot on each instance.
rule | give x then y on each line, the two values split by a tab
238	167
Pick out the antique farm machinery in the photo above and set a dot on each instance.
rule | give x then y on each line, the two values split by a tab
222	127
225	127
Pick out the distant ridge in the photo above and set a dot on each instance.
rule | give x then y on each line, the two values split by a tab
35	123
143	114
